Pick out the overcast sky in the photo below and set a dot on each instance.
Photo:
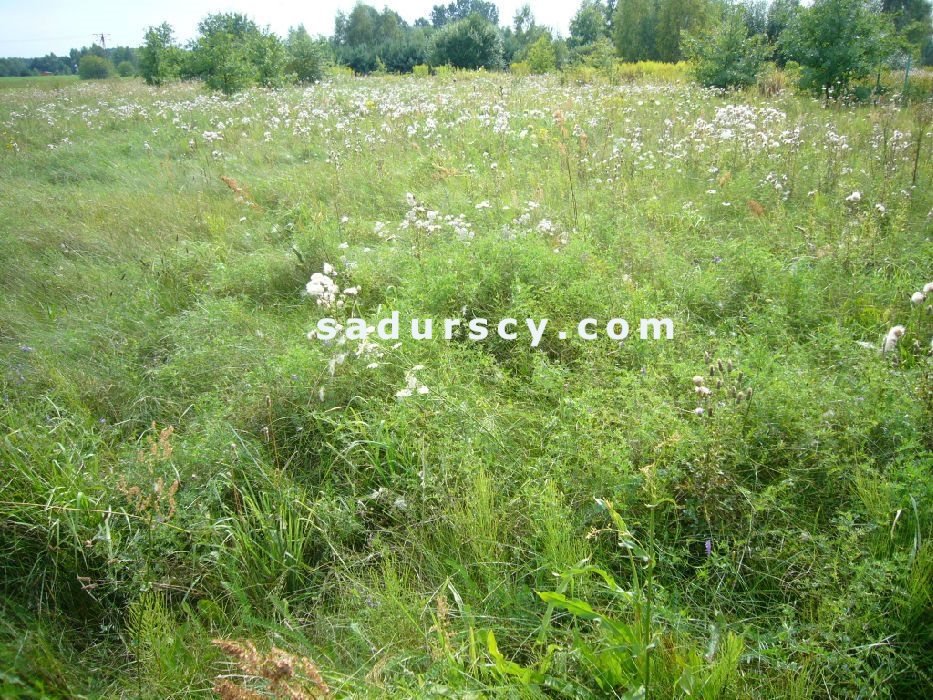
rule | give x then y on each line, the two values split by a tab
35	29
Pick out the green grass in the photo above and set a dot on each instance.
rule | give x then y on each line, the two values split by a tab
182	464
45	82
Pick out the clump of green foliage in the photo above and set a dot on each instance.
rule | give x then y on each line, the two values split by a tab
93	67
542	58
306	58
836	42
726	56
159	58
471	43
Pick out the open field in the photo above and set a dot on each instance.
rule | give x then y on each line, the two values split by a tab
46	82
181	463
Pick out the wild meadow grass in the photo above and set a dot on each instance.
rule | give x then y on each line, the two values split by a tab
197	498
47	82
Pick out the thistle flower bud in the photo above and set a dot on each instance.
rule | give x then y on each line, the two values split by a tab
892	338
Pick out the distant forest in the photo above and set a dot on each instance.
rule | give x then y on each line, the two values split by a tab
369	40
125	57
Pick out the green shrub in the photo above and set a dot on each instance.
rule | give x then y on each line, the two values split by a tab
837	42
232	53
726	56
542	57
92	67
469	43
521	69
159	58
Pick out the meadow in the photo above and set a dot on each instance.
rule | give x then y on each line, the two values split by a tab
199	499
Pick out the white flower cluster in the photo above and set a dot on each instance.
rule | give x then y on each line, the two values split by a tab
779	183
892	338
529	220
413	385
420	218
365	349
918	298
896	333
324	288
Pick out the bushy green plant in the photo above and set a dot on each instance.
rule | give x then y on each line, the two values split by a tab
589	24
726	56
159	58
92	67
270	58
542	57
520	69
232	53
837	42
630	655
306	57
468	43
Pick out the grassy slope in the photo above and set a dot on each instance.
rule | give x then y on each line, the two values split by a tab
383	537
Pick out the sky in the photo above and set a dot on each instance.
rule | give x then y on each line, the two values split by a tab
28	29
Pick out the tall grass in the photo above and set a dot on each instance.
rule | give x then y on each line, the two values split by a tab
193	491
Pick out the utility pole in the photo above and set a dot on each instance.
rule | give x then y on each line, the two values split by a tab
103	39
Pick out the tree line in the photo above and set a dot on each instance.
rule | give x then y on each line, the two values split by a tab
831	42
119	60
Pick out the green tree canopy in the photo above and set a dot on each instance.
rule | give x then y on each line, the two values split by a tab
473	42
442	15
92	67
232	53
726	55
305	56
159	58
838	41
588	24
634	25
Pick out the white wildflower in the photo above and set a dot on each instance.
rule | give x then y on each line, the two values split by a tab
892	338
